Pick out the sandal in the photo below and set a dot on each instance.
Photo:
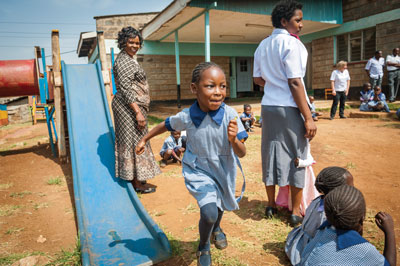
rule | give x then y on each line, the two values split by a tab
270	212
218	238
145	190
203	258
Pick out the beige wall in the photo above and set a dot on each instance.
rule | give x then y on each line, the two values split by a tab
356	9
387	38
161	74
111	25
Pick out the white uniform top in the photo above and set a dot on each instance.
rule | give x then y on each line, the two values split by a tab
278	58
375	67
392	59
340	79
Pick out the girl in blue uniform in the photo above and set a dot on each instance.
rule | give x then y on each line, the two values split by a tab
215	137
339	240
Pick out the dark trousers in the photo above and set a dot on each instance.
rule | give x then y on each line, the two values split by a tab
340	96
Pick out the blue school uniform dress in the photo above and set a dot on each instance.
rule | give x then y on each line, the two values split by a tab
382	100
171	144
332	246
299	237
208	165
365	98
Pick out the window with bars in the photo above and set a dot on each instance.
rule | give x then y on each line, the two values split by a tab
356	46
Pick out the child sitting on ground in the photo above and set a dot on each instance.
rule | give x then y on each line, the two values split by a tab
339	240
314	113
309	191
378	103
328	179
214	141
247	118
173	148
366	96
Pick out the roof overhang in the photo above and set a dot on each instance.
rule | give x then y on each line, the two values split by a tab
86	42
226	26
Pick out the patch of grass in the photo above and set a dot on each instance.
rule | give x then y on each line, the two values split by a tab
152	120
9	259
13	230
340	152
68	257
350	165
393	106
190	228
8	210
54	181
6	186
219	258
176	245
20	194
157	213
191	208
391	125
38	206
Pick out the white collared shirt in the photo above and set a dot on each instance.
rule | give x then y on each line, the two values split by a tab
375	67
392	59
340	79
278	58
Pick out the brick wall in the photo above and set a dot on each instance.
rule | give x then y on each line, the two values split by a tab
356	9
161	74
111	25
387	38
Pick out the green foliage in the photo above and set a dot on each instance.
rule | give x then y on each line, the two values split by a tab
54	181
152	120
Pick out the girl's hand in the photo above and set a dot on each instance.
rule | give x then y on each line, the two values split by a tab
384	221
232	130
333	93
140	147
140	121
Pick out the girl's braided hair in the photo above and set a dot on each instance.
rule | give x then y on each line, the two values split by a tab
345	208
284	9
125	34
330	178
200	68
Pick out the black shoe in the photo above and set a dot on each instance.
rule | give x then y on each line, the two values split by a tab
270	212
331	118
203	258
295	220
343	117
145	190
218	238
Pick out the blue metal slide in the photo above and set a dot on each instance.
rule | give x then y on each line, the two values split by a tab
114	227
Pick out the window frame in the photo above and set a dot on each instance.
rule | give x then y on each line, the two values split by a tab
348	44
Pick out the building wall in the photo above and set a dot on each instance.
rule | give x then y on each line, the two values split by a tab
356	9
387	38
161	74
111	25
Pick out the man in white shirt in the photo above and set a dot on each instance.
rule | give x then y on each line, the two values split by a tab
393	68
374	69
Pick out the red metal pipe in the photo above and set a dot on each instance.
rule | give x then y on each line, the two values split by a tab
18	78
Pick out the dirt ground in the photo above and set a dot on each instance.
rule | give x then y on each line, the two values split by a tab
36	192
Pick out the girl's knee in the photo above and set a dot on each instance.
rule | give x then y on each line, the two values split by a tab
209	213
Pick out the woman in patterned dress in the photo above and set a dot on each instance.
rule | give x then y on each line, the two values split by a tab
130	107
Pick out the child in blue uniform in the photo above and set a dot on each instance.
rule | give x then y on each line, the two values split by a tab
173	148
247	118
214	139
328	179
366	95
339	240
378	103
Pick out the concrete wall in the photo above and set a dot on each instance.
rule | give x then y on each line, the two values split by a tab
161	74
356	9
111	25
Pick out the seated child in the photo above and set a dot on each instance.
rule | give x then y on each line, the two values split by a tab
366	96
378	103
328	179
309	191
314	113
247	118
172	148
339	240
